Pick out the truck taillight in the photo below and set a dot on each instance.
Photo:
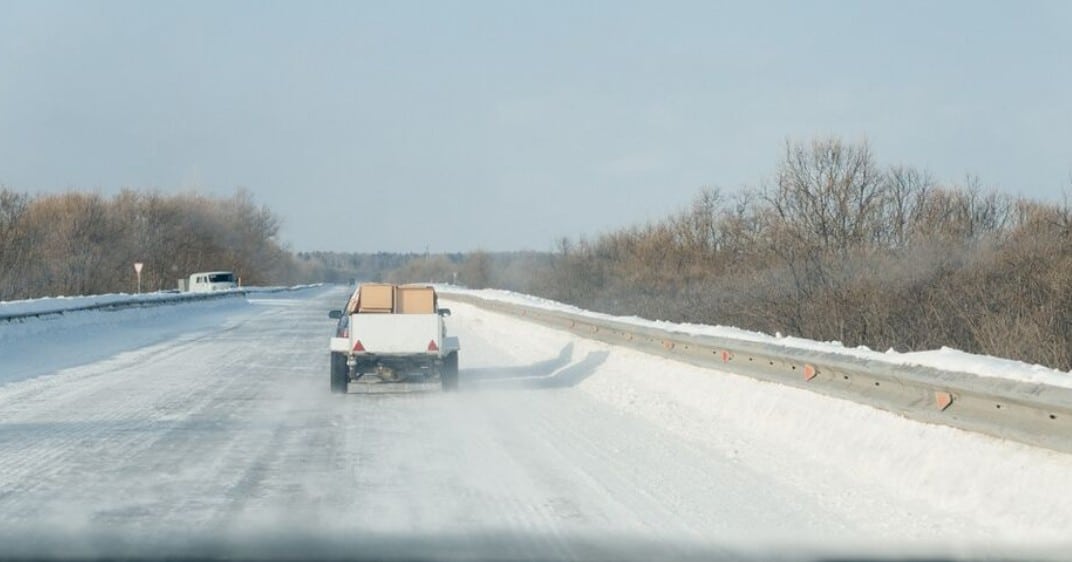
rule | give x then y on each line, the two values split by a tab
358	347
432	346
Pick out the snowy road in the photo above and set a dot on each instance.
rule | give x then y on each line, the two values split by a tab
231	427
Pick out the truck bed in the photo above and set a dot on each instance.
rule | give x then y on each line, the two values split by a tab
393	334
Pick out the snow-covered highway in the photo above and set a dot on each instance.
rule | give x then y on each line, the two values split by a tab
227	426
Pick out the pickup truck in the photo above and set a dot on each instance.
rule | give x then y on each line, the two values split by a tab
392	333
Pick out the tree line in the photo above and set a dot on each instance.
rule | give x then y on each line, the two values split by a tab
79	243
477	269
838	247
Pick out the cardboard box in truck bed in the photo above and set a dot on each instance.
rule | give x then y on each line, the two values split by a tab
376	297
415	299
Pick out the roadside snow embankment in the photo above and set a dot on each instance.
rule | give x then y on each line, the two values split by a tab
71	331
59	305
951	485
946	359
852	470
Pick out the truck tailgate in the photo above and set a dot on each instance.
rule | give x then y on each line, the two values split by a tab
395	333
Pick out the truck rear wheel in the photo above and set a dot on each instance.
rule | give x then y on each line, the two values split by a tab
448	375
339	373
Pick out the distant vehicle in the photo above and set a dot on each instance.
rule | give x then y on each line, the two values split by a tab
392	333
208	281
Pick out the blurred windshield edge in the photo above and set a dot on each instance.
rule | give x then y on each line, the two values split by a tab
38	544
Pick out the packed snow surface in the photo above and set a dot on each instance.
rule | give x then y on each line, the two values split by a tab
946	358
225	425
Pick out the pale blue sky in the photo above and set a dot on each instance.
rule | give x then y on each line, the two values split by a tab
397	126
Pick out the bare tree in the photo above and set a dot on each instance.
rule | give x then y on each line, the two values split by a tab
828	194
476	270
907	190
14	244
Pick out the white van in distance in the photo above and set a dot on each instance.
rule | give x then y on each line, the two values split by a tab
208	281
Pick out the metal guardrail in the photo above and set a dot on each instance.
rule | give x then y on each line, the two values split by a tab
1035	414
141	302
119	304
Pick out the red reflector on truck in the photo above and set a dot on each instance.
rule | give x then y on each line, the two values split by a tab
358	346
432	346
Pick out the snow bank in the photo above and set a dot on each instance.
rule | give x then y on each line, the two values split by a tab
59	304
47	305
946	359
35	346
844	471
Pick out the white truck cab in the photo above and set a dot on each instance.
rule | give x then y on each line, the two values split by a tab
208	281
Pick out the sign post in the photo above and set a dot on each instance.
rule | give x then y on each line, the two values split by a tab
137	270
